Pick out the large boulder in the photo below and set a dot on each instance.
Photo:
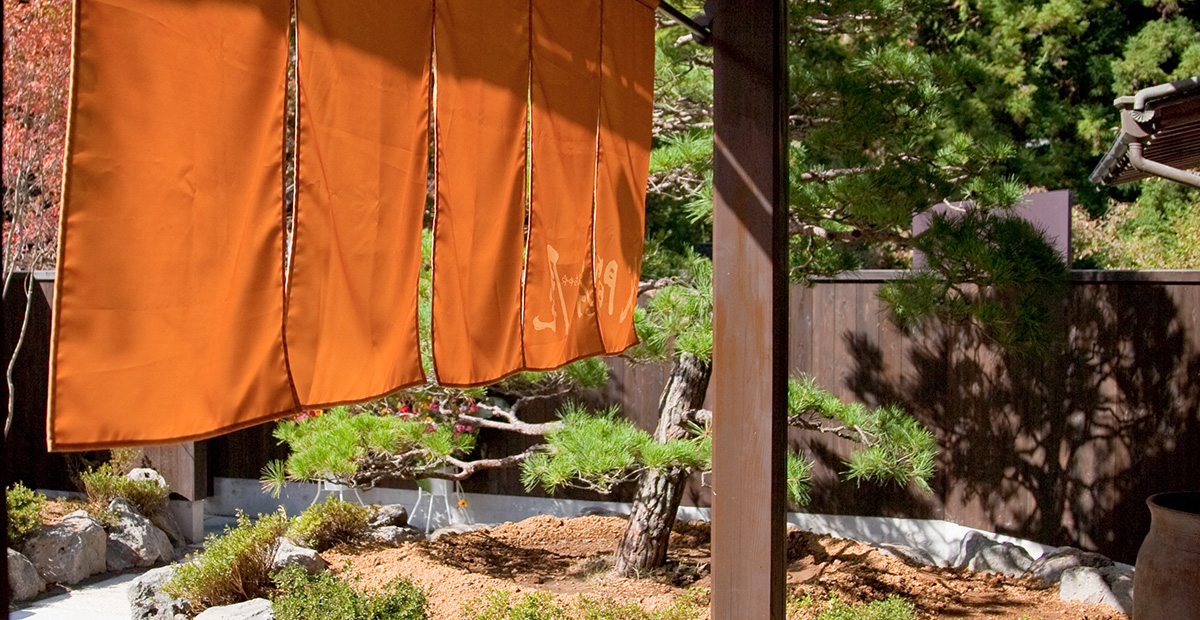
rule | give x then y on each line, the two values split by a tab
1004	558
1048	569
165	521
23	578
970	546
394	535
291	554
69	551
253	609
1107	585
133	541
390	514
149	601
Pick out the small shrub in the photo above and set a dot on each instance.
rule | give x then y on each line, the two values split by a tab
234	567
891	608
24	513
497	605
104	484
124	460
329	523
327	597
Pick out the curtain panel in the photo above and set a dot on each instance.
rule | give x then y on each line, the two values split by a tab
190	303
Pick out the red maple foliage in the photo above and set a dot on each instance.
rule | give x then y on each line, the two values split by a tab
37	61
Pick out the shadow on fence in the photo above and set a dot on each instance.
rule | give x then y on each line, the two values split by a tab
1061	450
1064	449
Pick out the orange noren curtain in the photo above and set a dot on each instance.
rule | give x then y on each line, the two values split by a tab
626	106
363	136
169	294
482	66
560	305
173	320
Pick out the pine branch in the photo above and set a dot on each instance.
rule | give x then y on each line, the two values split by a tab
652	286
468	468
843	431
824	176
797	227
511	423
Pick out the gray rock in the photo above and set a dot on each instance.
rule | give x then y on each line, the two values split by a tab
148	600
970	547
599	511
453	528
69	551
1049	568
133	541
253	609
23	578
145	473
1108	585
1004	558
912	555
393	535
390	514
291	554
165	521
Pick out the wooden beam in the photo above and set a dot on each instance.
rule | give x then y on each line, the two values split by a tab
750	298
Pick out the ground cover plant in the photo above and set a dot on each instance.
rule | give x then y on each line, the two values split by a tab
504	605
328	523
233	567
301	596
834	608
24	513
107	482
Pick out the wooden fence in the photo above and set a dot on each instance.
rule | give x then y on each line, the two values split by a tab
1062	450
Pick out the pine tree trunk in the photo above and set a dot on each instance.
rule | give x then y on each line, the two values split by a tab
643	545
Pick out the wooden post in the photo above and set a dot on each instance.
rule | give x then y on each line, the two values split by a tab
750	299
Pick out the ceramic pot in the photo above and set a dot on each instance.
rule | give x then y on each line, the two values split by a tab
1166	581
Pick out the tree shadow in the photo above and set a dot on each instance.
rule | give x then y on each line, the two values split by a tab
1066	448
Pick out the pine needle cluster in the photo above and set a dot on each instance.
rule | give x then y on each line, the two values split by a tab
344	447
678	318
601	450
891	447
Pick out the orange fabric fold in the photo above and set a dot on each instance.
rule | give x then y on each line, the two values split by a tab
482	67
560	305
169	299
626	108
362	149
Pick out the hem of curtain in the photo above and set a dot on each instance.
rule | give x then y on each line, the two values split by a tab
634	342
56	309
121	443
